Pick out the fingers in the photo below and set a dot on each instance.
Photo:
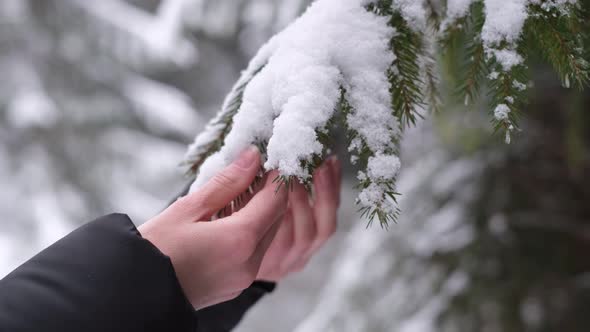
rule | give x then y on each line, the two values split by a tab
223	188
327	198
303	218
304	226
265	243
264	209
232	181
282	243
284	239
336	166
273	248
327	183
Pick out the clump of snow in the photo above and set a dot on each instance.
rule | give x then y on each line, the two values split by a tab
383	167
501	112
413	12
507	58
566	82
308	97
362	176
216	126
375	196
298	89
456	9
504	20
519	85
560	5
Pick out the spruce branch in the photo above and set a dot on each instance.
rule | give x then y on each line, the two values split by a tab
475	68
404	73
431	90
360	154
507	92
491	54
324	136
218	128
451	47
434	13
558	38
450	33
431	84
507	95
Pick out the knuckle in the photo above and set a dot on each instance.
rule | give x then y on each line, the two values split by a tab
225	178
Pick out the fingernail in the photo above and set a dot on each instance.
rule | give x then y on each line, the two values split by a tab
247	157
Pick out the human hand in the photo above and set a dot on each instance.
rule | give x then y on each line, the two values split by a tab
215	261
306	226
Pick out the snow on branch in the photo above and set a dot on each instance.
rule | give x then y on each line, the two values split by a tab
368	66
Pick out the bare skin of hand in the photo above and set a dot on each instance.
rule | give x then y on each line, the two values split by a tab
307	224
216	261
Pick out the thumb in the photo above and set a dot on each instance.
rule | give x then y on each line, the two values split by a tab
230	182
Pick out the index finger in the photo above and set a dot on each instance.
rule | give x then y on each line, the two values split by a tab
264	208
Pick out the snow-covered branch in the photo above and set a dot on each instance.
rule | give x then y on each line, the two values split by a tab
368	66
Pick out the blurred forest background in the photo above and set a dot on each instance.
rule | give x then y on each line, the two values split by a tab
99	99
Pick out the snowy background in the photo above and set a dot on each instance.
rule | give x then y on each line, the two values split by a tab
99	99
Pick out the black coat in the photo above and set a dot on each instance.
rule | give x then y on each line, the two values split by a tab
105	277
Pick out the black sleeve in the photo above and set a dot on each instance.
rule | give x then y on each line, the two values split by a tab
102	277
225	316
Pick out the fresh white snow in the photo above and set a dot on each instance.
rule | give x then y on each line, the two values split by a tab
339	44
413	12
456	9
297	91
501	112
383	167
504	21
